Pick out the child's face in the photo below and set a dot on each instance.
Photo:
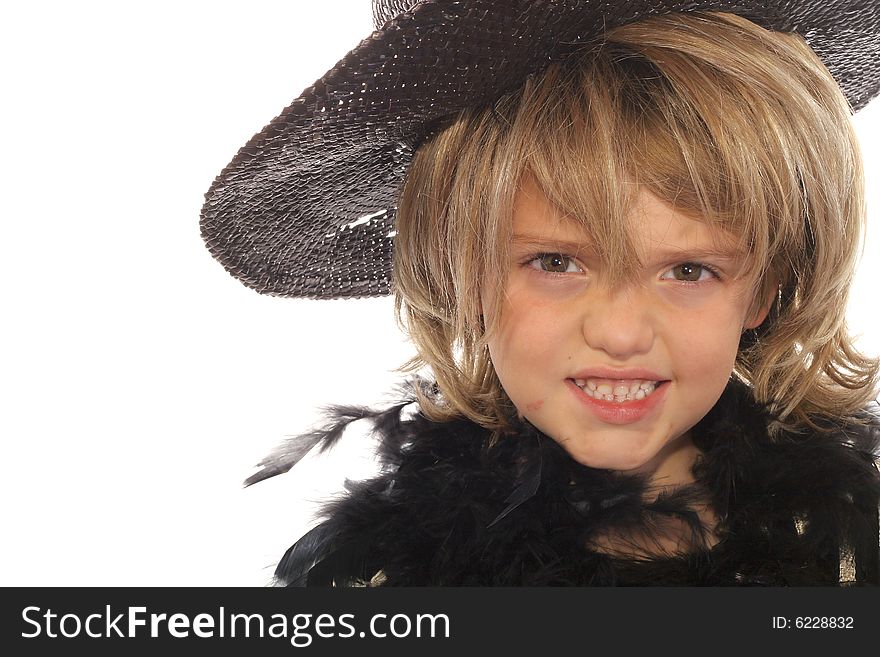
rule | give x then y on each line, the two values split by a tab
676	325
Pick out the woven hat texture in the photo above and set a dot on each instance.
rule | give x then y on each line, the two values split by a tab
306	207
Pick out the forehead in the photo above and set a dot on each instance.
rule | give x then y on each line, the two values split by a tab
651	224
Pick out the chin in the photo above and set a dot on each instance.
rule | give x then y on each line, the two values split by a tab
619	460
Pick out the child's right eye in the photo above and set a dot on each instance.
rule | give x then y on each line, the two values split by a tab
554	263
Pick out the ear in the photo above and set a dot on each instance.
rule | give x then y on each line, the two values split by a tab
757	318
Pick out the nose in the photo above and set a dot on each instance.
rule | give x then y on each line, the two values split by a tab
618	322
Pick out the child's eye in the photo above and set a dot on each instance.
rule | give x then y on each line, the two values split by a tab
690	272
554	263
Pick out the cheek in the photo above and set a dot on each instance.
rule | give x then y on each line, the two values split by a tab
528	329
709	343
530	348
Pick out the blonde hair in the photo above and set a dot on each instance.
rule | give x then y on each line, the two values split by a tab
740	126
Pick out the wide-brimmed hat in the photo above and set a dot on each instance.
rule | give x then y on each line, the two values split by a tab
306	207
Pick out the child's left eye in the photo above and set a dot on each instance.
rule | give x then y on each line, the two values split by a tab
690	272
554	263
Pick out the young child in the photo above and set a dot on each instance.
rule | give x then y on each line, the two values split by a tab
622	245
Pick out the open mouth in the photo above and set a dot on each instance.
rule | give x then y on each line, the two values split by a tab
618	391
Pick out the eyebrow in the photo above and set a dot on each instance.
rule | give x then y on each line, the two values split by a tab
700	252
568	246
538	241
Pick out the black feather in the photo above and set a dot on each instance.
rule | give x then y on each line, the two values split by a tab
525	489
451	508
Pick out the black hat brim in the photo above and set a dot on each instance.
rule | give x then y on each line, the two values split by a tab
306	207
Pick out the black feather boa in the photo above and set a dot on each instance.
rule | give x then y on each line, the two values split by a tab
450	510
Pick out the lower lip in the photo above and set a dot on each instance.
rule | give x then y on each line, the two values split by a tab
625	412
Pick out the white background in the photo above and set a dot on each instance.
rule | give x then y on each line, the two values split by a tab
140	383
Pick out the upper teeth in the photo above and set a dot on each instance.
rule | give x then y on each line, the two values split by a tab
616	389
